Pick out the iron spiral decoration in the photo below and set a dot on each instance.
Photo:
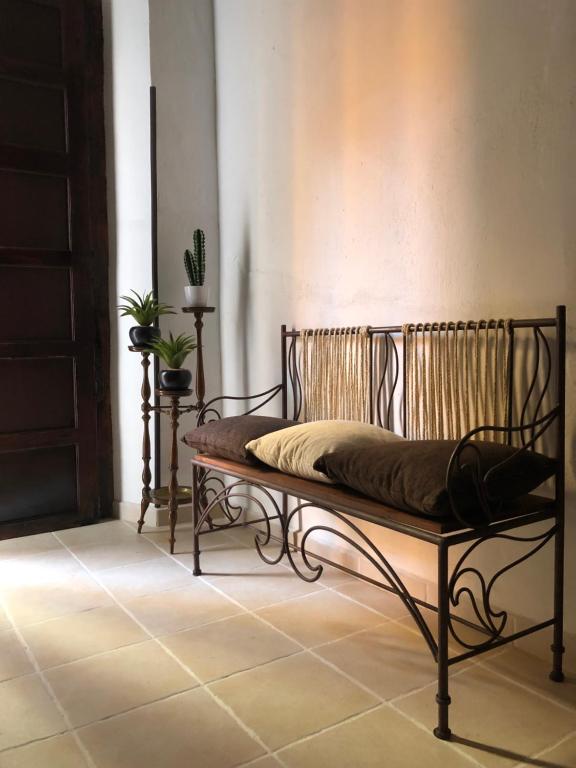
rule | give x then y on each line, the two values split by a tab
223	499
368	550
491	622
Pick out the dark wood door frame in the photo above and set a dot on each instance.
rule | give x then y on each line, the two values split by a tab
82	39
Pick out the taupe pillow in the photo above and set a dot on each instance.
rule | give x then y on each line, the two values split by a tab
227	437
294	450
411	474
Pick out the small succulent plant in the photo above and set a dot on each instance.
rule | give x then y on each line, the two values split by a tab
144	309
174	350
195	261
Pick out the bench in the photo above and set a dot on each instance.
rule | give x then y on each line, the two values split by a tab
415	385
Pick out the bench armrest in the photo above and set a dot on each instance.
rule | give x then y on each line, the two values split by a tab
209	410
466	457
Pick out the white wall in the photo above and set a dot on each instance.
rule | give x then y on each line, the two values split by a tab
182	64
126	92
175	39
384	161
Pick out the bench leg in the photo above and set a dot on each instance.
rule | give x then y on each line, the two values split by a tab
557	647
442	731
195	518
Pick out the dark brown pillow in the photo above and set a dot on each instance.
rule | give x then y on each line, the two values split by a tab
411	474
227	437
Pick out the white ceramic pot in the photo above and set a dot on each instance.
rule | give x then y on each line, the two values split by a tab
196	295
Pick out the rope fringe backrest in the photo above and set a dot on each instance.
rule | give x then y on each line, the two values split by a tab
456	378
336	370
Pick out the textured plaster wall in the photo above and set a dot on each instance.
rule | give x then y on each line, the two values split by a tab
383	161
127	80
182	65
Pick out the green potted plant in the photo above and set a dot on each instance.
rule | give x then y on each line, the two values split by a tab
173	351
144	309
195	263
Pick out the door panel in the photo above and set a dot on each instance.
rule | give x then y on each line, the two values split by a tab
48	319
55	437
31	32
24	102
39	481
38	198
56	409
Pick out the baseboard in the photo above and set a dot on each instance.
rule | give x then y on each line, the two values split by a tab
155	518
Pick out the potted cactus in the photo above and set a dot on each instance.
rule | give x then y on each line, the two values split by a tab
173	351
144	309
195	263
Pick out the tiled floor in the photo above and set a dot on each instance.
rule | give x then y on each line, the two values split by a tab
113	655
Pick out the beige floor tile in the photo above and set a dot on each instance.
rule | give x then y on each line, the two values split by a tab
527	670
184	539
186	730
332	577
114	682
246	535
320	617
291	698
491	712
13	659
76	591
265	586
217	650
131	581
58	752
28	545
374	597
227	559
176	609
37	570
562	756
27	712
465	633
374	740
5	622
107	554
389	660
111	531
74	637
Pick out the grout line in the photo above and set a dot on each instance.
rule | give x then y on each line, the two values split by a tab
392	703
422	727
244	611
544	752
50	691
199	683
523	686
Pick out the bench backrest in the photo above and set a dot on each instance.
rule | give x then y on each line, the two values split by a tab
433	380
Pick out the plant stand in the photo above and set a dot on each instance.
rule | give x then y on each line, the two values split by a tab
173	494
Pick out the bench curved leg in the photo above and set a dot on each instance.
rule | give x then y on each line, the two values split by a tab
557	647
195	518
442	730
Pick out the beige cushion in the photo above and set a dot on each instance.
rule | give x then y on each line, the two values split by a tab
295	449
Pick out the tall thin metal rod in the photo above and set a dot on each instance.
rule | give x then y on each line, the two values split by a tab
154	249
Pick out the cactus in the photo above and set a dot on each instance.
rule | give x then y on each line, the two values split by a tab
195	263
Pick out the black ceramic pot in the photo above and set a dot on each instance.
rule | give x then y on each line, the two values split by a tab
142	335
175	379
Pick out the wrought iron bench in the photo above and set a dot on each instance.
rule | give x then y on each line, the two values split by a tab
225	487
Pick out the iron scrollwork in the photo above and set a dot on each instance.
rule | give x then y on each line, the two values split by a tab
233	512
368	550
492	622
209	409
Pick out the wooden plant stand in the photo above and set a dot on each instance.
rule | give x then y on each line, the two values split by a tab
173	494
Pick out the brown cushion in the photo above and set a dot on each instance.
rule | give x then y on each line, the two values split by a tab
295	450
227	437
411	474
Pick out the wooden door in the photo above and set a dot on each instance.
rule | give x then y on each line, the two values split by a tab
55	463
